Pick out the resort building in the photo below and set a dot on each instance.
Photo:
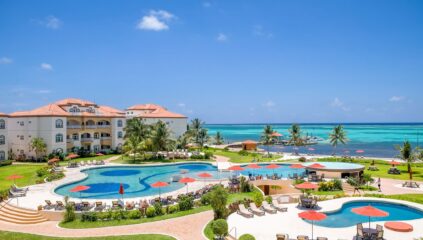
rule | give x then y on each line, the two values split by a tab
65	126
3	136
153	113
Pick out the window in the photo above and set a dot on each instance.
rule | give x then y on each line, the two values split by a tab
120	135
2	140
96	148
2	155
96	135
119	123
75	137
2	124
59	123
22	137
21	123
59	137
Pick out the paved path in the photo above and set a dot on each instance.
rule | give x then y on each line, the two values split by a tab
393	186
183	228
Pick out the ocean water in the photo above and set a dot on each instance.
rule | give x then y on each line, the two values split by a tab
377	140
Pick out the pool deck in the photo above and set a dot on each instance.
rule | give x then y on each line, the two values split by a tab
266	227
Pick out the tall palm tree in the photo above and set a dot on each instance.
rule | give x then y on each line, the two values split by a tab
195	128
266	137
295	138
406	154
137	127
160	137
132	145
218	139
203	137
338	135
39	146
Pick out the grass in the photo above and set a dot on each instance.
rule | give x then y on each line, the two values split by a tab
383	167
327	193
98	158
237	158
130	160
28	171
208	231
25	236
417	198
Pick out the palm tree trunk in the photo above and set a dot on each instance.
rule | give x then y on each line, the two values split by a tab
410	172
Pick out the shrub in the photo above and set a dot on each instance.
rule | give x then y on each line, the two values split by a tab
218	200
333	185
220	228
42	172
243	153
302	159
69	214
208	155
247	237
172	209
150	212
89	217
134	214
186	203
55	176
107	215
225	149
205	199
5	163
245	186
269	199
199	156
258	198
119	214
158	208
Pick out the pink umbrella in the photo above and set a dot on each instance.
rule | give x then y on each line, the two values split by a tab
187	180
359	151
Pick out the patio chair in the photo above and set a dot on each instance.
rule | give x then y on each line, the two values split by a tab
82	163
86	206
267	208
99	206
282	236
321	238
379	235
129	205
257	211
302	237
116	205
243	211
279	206
16	194
49	204
18	189
95	162
59	205
360	232
89	162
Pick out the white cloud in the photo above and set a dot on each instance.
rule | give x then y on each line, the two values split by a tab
259	31
206	4
181	105
269	104
46	66
337	103
43	91
222	37
396	98
5	60
53	22
155	21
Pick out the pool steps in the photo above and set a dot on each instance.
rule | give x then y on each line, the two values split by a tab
14	214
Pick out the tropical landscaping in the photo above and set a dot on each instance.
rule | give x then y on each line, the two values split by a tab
25	236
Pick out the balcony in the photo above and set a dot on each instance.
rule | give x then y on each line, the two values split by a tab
103	126
90	126
74	126
87	140
106	138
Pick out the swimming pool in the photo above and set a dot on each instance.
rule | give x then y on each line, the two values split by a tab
345	218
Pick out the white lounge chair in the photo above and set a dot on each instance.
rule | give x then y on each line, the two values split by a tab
257	211
243	211
279	206
266	207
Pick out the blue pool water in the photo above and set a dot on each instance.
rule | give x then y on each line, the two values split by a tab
345	218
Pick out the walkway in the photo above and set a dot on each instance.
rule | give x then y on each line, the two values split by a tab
184	228
393	186
222	162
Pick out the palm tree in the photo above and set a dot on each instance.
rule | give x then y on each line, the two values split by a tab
218	138
295	138
266	137
132	145
406	154
136	136
338	135
195	128
203	137
39	146
160	137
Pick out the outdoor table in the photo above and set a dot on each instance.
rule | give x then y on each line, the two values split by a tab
307	202
370	233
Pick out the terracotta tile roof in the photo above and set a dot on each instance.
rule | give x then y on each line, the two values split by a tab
48	110
148	106
154	111
74	101
3	114
106	110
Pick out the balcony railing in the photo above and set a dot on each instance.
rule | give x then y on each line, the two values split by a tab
74	126
103	126
87	139
106	138
90	126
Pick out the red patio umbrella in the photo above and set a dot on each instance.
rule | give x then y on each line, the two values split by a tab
312	216
14	177
79	188
316	165
272	166
359	151
187	180
296	165
72	156
236	168
306	185
369	211
159	185
394	163
253	166
276	134
121	190
204	176
53	160
99	154
311	149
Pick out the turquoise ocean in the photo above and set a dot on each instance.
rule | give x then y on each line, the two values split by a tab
376	139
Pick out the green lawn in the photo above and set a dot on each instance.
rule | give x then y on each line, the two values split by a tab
130	160
383	167
24	236
237	158
98	158
208	231
417	198
28	171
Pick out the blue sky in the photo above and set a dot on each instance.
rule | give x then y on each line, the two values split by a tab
223	61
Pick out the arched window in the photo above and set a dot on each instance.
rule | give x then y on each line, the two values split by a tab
2	124
59	138
2	140
2	155
75	136
96	135
119	123
59	123
120	135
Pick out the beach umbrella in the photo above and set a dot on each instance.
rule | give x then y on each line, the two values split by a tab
316	165
99	154
53	160
273	167
236	168
312	216
296	166
253	166
369	211
276	134
121	190
359	151
159	185
394	163
14	177
72	156
311	149
187	180
79	188
306	185
204	176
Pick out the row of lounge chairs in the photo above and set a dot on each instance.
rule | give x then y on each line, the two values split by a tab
16	191
315	178
83	163
265	208
282	236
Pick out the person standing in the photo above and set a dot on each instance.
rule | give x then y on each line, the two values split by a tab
378	184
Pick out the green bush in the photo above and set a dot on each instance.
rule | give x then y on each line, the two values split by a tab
69	214
173	209
218	201
119	214
55	176
107	215
150	212
42	172
243	153
5	163
134	214
158	209
208	155
269	199
258	198
89	217
220	228
205	199
186	203
247	237
197	156
333	185
302	159
245	186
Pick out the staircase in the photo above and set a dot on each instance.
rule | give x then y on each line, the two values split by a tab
13	214
347	187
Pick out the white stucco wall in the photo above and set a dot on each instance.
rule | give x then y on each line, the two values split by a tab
4	147
116	140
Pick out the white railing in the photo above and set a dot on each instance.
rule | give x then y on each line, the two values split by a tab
106	138
104	126
86	139
91	126
74	126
